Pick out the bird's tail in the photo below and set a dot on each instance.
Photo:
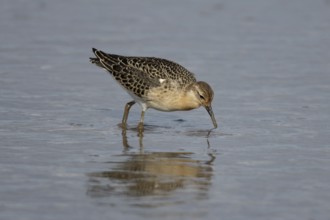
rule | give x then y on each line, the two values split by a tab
95	60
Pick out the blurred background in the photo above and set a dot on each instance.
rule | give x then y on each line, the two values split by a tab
62	155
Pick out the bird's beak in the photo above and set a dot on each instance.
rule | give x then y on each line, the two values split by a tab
210	111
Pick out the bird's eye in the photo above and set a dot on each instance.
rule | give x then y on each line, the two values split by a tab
202	97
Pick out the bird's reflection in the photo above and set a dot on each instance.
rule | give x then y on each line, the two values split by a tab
152	173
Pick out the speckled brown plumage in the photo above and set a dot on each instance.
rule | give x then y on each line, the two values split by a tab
139	74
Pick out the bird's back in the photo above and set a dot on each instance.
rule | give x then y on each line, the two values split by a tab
150	71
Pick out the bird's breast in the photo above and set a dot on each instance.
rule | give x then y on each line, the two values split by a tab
171	100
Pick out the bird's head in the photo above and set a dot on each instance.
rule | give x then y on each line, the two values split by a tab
204	95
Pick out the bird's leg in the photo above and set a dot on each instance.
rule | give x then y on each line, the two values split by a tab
125	116
140	126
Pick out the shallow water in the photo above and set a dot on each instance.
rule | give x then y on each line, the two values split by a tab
63	155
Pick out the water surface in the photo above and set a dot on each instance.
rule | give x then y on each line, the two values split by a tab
62	155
